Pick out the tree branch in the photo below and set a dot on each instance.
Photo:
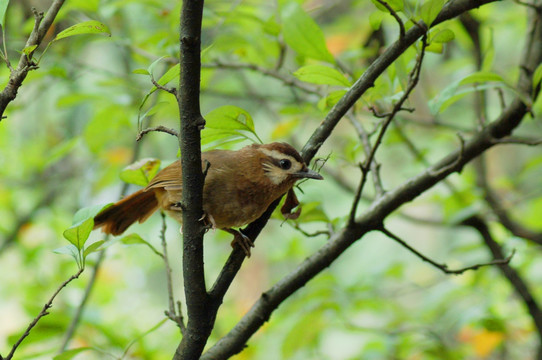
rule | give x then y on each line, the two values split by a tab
372	219
200	320
443	267
18	75
517	282
366	81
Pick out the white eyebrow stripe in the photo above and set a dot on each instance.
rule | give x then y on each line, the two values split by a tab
278	155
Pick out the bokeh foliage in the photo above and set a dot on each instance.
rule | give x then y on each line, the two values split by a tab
271	72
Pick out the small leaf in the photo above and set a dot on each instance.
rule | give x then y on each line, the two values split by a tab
135	239
88	212
70	354
94	247
231	119
302	33
141	72
151	67
330	100
430	10
70	250
322	75
78	233
141	172
435	48
537	76
443	36
481	77
375	19
3	8
87	27
29	49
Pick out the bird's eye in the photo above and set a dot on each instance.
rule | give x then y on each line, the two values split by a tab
285	164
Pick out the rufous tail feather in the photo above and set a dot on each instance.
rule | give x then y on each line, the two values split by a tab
119	216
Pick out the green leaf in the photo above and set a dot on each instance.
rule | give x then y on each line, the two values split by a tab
29	49
78	233
430	10
396	5
88	212
3	8
141	172
302	33
303	334
435	47
375	19
537	76
443	36
141	72
322	75
230	118
489	53
70	354
481	77
330	100
87	27
135	239
171	74
94	247
70	250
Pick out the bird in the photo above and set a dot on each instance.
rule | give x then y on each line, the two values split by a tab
238	188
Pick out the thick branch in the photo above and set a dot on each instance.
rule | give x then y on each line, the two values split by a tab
200	320
366	81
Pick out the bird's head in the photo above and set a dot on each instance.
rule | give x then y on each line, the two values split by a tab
283	166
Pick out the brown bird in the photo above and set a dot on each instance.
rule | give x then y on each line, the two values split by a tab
239	186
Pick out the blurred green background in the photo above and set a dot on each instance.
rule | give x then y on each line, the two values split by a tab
72	130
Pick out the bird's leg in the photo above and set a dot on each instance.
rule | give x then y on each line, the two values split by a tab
208	221
241	239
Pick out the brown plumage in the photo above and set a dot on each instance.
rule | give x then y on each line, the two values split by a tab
239	187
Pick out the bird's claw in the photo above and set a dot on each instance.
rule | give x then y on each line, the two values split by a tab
244	242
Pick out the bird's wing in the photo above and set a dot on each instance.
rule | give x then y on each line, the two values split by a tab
169	178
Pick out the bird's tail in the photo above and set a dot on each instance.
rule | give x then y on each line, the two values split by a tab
119	216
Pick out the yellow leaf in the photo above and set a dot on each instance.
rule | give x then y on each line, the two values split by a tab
486	341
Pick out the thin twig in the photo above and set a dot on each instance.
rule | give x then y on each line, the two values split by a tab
518	140
443	267
396	16
459	160
376	114
366	143
172	91
287	80
44	311
171	312
159	128
412	82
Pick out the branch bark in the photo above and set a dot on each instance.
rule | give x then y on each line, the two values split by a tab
200	320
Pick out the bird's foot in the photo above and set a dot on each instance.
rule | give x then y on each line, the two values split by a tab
244	242
208	221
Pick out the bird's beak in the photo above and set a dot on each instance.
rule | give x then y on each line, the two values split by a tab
307	173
